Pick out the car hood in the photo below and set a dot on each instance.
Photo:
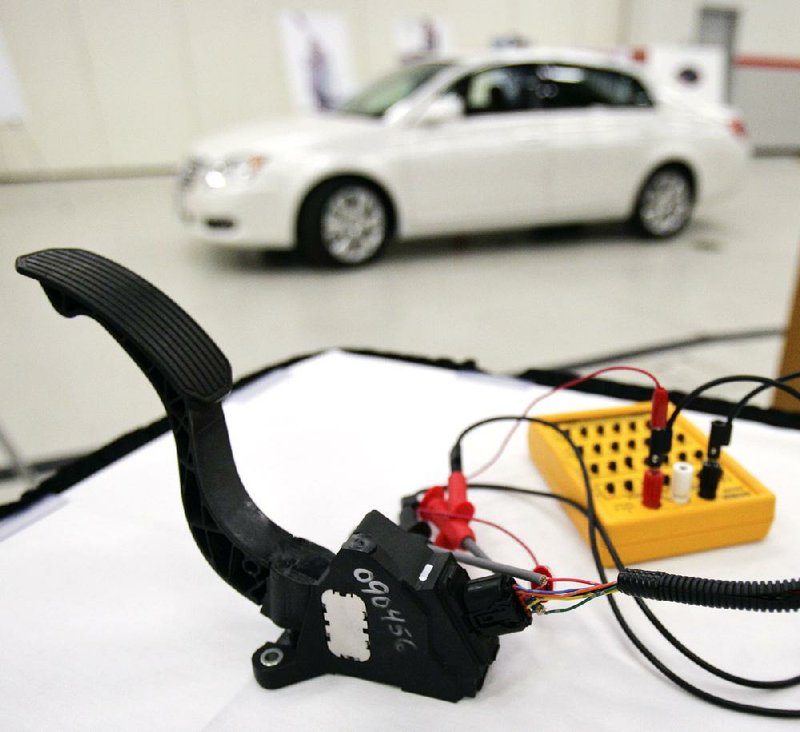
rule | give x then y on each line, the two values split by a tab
283	134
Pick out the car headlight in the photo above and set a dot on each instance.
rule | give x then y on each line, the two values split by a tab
234	170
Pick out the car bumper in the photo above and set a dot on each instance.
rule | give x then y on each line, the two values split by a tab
725	167
260	217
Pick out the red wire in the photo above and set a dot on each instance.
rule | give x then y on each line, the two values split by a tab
573	579
580	379
577	592
510	534
555	389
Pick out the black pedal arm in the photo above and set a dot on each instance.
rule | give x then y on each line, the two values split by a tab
191	376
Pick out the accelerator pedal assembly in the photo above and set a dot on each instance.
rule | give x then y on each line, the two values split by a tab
385	607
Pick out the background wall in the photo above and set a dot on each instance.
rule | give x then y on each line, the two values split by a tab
765	77
765	26
121	87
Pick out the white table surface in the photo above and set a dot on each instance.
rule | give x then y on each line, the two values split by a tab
111	619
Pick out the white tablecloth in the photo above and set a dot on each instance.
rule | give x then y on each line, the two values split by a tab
111	619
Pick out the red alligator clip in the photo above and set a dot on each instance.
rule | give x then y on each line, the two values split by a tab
450	514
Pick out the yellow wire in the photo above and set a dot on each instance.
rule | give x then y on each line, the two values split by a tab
540	600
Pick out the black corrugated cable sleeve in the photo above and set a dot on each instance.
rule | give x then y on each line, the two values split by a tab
773	596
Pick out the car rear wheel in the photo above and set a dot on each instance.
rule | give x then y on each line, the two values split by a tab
665	203
344	224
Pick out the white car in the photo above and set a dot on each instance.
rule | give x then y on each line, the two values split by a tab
473	144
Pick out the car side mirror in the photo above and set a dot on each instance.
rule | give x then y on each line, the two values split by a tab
443	109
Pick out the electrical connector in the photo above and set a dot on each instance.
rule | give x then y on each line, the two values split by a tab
709	475
721	431
659	405
493	606
548	584
681	485
660	446
652	486
719	437
711	472
409	518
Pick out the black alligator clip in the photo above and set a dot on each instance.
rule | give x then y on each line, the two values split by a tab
385	607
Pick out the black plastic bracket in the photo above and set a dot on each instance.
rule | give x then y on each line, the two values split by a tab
391	610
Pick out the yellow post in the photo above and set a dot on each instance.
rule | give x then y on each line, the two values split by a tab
791	354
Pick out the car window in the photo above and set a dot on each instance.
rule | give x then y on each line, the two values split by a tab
564	86
498	89
547	86
390	89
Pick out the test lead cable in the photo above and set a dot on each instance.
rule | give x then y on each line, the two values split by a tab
595	529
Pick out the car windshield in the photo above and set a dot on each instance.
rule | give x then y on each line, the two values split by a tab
390	89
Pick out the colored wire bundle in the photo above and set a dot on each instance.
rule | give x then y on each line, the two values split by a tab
535	598
535	595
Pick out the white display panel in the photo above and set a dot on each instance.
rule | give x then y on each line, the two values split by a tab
318	58
12	107
694	72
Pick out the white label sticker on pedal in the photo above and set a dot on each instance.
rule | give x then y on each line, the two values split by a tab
346	625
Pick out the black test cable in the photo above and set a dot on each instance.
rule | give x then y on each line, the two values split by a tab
702	339
722	430
594	528
736	411
688	590
764	381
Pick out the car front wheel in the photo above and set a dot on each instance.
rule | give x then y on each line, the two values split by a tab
665	203
343	223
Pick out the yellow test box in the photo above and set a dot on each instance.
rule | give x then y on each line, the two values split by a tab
614	445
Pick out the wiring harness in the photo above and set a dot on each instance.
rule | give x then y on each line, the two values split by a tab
768	596
781	596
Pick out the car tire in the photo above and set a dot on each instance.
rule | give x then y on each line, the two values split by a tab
665	203
343	223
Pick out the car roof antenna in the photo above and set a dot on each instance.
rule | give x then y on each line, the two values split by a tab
386	607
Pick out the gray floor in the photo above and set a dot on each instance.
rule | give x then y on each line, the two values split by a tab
511	301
